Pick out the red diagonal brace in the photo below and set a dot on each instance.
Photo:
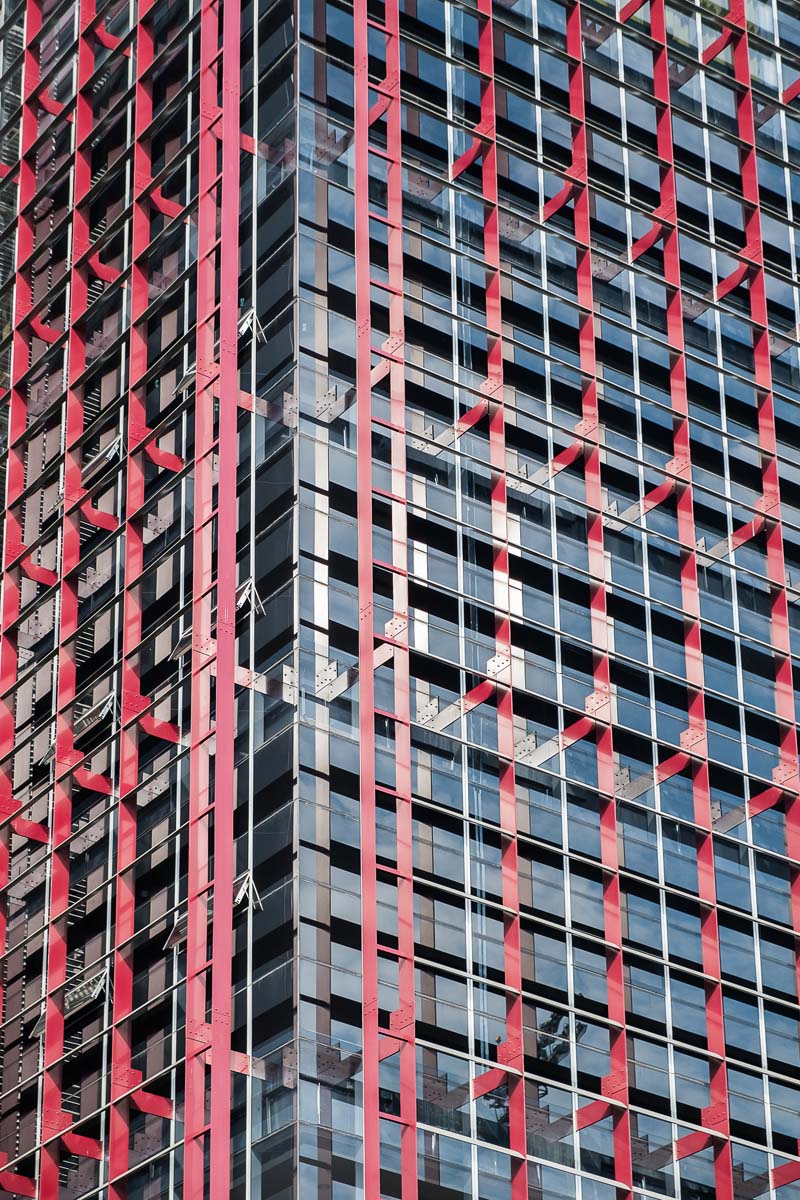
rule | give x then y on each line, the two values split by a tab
168	208
658	495
733	280
98	518
163	458
482	691
671	766
565	458
558	201
647	241
764	800
31	830
102	270
692	1143
84	1147
631	9
105	38
590	1114
379	372
93	782
472	417
745	532
466	159
160	729
379	108
576	731
155	1105
50	105
788	1172
387	1046
488	1081
17	1185
44	332
38	574
792	92
717	46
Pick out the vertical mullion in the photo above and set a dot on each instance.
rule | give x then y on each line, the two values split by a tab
122	1076
510	1053
205	529
616	1084
61	826
15	471
366	683
404	1020
716	1116
227	524
785	776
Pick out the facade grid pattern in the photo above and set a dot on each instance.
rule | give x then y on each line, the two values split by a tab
400	611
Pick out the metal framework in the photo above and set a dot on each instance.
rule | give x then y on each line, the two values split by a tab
399	786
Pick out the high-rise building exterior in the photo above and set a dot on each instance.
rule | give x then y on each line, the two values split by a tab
400	609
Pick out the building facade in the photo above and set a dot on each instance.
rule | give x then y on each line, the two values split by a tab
400	605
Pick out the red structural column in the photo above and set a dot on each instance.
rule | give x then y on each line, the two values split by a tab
785	776
17	424
203	646
227	523
510	1051
716	1116
615	1086
366	684
53	1117
212	734
400	1036
15	470
133	703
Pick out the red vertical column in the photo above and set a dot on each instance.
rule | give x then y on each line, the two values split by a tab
510	1052
17	425
716	1116
18	414
201	784
227	523
400	1037
785	776
53	1117
133	703
15	470
615	1086
211	768
366	685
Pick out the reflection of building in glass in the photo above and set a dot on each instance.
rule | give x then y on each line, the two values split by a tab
400	600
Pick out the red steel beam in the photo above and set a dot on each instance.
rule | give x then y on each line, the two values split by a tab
17	424
716	1116
208	1076
401	1022
786	774
227	522
206	372
510	1052
15	477
66	756
615	1086
133	702
366	683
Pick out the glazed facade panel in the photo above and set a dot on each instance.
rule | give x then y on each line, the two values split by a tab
400	600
